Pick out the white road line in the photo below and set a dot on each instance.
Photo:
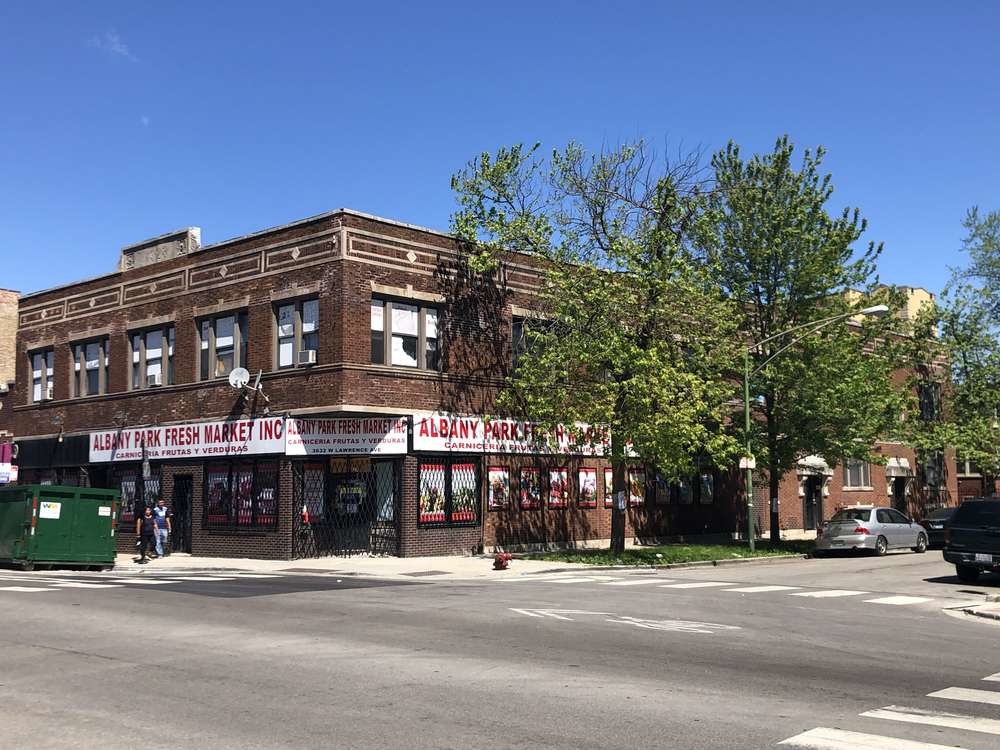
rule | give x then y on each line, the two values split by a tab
762	589
824	738
255	575
696	585
76	585
140	581
24	589
936	719
527	612
968	694
898	600
993	677
203	578
635	583
571	580
829	594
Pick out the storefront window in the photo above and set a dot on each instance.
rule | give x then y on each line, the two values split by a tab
241	495
531	490
137	492
558	488
449	492
587	497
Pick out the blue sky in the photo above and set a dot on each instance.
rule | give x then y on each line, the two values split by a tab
122	120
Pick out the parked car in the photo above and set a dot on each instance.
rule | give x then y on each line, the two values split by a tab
864	527
972	538
935	524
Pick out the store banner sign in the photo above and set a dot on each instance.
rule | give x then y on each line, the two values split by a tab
195	440
445	432
331	437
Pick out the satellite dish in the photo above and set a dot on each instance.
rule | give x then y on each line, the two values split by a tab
239	377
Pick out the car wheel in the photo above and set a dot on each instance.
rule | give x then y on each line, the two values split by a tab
967	573
819	553
921	544
881	546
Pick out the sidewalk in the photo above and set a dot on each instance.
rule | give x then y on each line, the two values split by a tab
407	568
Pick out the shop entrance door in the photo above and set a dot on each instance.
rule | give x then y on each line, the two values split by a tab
899	494
345	506
180	505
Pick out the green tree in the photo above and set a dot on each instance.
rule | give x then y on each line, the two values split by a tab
631	330
787	263
962	332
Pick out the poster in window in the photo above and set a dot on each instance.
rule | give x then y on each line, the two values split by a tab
588	488
636	487
558	488
217	480
609	483
128	485
463	493
707	489
531	491
684	494
499	487
350	494
432	493
661	491
243	494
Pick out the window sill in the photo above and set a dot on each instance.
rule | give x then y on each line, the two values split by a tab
858	489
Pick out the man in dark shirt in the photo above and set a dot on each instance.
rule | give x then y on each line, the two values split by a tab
145	529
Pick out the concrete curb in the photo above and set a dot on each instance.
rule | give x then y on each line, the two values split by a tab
583	567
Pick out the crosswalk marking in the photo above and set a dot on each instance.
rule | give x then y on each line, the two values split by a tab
141	581
636	583
898	600
204	578
829	594
570	580
256	575
78	585
825	738
993	677
24	589
695	585
936	719
762	589
968	694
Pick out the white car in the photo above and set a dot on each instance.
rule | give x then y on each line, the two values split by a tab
864	527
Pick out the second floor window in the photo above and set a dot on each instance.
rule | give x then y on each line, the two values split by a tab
404	334
41	375
298	330
223	345
857	474
153	357
90	368
522	337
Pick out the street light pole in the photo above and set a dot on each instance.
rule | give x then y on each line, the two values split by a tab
746	458
810	328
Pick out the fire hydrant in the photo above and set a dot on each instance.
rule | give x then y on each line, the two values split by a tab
501	560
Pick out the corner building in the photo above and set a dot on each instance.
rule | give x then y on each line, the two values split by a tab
377	355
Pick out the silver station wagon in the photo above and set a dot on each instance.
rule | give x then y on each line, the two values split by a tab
878	530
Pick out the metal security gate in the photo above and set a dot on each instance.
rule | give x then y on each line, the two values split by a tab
345	506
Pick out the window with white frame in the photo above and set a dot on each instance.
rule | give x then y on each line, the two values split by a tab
297	330
90	368
404	334
223	344
41	375
857	474
152	357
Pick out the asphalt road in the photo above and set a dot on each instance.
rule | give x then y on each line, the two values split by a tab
609	660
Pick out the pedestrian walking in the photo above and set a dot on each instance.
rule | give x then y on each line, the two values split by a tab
145	529
162	516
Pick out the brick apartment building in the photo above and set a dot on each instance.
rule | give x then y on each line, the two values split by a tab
377	356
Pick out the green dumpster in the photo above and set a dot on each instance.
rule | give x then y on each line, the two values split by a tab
47	525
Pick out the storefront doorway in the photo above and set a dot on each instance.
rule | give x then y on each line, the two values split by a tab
345	506
899	494
180	505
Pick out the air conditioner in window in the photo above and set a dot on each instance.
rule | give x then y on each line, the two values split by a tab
154	380
307	357
47	396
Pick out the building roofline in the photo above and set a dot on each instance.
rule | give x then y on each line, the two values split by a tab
243	237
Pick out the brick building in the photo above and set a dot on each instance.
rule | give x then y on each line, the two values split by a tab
372	355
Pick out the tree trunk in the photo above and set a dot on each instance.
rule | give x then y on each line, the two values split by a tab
774	479
619	492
